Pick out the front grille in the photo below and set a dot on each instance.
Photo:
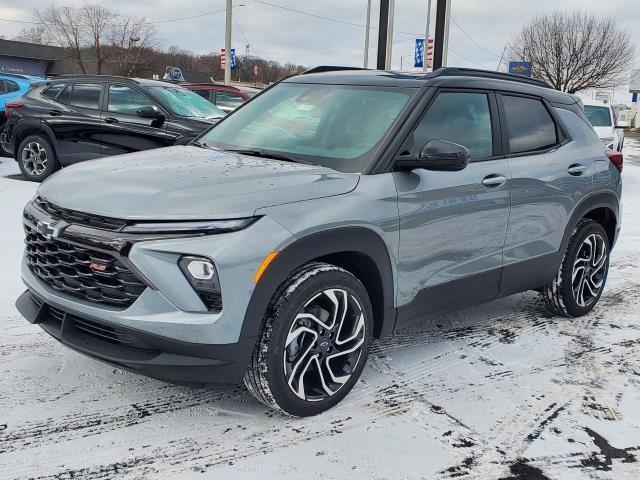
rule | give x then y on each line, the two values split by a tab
67	268
79	218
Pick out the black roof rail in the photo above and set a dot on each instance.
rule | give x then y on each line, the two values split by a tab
475	72
95	78
330	68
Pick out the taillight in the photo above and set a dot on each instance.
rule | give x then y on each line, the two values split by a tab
9	105
616	158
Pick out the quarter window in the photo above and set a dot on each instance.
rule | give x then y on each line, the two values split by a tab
459	117
127	100
86	95
529	124
8	86
53	90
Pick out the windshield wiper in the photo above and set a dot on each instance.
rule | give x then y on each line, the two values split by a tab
262	153
203	145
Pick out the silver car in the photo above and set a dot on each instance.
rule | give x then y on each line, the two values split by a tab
335	207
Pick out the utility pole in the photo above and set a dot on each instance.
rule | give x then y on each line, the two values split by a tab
392	9
383	24
366	35
227	44
441	40
426	38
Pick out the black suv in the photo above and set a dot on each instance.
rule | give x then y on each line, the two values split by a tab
75	118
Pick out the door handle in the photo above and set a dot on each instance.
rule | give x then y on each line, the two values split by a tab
55	113
494	180
576	169
111	120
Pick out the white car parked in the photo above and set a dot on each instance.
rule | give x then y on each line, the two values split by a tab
603	119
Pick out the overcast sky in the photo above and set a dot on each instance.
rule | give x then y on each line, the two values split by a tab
282	35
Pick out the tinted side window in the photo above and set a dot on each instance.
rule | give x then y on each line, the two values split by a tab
228	101
86	95
463	118
3	87
54	90
529	124
65	96
12	86
123	99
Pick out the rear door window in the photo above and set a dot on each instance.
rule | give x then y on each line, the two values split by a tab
530	126
86	95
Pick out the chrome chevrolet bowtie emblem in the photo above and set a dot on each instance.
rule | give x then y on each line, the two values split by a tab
50	230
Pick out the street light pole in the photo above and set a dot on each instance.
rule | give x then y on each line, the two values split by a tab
366	35
227	44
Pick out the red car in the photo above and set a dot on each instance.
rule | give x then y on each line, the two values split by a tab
225	97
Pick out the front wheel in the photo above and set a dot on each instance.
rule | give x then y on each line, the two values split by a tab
583	272
314	343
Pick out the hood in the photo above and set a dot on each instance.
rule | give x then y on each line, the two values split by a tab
604	132
188	182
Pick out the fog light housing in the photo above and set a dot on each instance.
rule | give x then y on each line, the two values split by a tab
201	274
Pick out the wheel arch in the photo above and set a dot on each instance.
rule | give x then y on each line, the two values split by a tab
359	250
602	207
34	128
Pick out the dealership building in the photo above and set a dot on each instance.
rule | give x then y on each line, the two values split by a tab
46	60
33	59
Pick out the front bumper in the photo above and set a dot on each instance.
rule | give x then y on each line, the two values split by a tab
152	355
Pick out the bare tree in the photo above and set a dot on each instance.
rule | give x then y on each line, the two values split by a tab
33	34
98	20
93	34
64	28
574	52
130	38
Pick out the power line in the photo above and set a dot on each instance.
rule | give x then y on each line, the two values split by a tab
472	39
330	19
198	15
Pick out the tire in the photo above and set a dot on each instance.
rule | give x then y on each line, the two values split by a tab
36	158
583	272
301	366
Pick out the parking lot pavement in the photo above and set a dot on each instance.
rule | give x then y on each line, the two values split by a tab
501	391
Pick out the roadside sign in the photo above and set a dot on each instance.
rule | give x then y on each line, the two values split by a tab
634	83
418	57
223	58
524	69
174	74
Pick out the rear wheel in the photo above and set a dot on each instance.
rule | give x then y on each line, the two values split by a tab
583	273
314	343
36	158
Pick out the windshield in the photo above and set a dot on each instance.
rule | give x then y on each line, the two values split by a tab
598	116
185	102
337	126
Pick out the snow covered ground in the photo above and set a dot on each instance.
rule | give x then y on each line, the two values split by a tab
501	391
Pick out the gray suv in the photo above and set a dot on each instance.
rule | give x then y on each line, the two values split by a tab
335	207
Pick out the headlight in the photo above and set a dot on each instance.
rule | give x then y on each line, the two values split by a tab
199	226
201	274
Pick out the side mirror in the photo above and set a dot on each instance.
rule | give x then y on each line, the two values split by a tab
622	124
149	111
438	155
